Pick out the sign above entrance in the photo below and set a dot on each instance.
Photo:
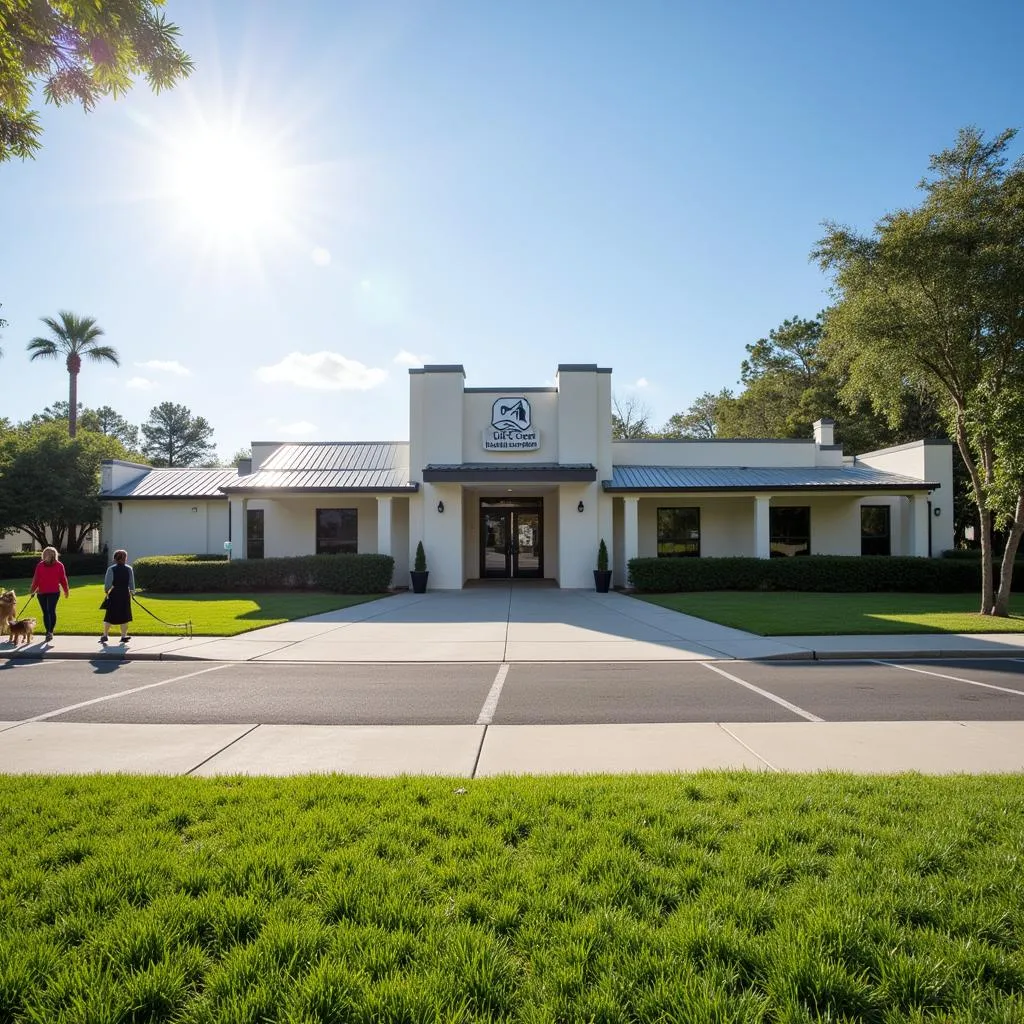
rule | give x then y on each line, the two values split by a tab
511	427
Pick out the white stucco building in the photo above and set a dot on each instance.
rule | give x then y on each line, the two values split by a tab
524	482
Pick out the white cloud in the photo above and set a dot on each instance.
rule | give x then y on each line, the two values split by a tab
320	256
166	366
322	371
641	383
303	428
139	384
407	358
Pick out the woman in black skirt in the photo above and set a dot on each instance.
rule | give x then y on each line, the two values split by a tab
119	584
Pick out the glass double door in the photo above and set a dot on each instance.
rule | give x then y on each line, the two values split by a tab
511	543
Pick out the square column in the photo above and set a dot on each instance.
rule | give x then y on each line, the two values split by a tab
384	526
919	525
762	526
630	530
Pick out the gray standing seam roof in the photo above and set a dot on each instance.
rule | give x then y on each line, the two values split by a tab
174	483
754	478
331	466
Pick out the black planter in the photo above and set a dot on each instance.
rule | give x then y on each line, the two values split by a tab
419	581
602	580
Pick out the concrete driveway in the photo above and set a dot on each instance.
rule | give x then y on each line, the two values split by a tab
499	623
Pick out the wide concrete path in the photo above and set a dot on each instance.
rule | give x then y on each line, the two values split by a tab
504	623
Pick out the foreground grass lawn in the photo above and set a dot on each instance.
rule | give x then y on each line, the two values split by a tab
211	614
786	613
712	897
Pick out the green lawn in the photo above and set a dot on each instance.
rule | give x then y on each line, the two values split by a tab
706	898
785	613
211	614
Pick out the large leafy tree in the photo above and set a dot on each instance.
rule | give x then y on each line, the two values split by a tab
703	420
72	337
933	299
51	482
174	437
78	51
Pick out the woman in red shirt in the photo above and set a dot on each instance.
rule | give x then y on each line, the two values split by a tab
48	581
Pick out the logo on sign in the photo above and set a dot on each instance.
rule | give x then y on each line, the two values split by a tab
511	427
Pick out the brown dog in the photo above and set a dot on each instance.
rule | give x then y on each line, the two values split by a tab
23	628
8	609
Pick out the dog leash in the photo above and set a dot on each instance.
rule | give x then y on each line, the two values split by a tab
186	626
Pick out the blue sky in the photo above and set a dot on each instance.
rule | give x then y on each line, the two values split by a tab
343	190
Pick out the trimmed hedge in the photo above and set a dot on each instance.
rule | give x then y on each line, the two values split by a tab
193	558
20	565
340	574
826	573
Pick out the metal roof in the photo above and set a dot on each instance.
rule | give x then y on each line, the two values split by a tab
526	472
175	483
753	478
368	466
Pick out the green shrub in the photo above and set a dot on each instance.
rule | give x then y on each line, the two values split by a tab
20	565
340	574
826	573
602	556
420	561
196	558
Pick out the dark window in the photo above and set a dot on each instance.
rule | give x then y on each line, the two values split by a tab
874	530
336	532
790	529
679	533
254	533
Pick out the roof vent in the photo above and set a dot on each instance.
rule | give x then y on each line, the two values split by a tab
824	432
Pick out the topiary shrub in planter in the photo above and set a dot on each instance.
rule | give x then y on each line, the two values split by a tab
602	574
419	572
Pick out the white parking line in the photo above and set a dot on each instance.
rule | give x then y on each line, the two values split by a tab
764	693
955	679
486	715
114	696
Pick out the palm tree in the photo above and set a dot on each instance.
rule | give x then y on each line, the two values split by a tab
74	336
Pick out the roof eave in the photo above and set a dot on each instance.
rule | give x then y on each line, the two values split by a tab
609	488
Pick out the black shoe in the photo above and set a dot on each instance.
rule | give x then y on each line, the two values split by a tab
125	638
103	639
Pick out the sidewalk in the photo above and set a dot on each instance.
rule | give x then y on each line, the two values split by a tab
509	625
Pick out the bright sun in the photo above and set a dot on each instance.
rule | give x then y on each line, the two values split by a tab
228	187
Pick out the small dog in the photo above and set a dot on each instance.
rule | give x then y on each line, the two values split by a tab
23	628
8	609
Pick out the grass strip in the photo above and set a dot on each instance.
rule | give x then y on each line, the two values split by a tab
789	613
211	614
715	897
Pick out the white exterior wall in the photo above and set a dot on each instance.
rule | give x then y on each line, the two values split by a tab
755	454
289	524
183	526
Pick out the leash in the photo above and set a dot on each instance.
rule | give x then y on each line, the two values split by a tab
186	626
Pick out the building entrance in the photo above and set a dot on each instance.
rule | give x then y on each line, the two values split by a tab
512	538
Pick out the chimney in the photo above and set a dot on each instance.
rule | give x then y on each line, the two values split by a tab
824	432
244	467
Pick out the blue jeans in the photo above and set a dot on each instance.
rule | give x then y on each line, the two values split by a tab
48	603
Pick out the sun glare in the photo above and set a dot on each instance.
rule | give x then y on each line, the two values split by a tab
227	187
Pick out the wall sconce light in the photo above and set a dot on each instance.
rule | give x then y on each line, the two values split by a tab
440	507
936	511
579	507
195	508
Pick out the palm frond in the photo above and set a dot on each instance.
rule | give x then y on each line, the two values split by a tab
101	353
43	348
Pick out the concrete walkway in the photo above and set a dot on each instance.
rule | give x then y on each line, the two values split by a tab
509	624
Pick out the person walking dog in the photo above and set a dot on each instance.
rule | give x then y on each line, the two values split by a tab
119	585
48	581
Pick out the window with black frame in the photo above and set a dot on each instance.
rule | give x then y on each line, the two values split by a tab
679	533
336	531
874	530
254	533
790	530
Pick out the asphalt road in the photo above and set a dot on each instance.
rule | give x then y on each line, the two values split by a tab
517	694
